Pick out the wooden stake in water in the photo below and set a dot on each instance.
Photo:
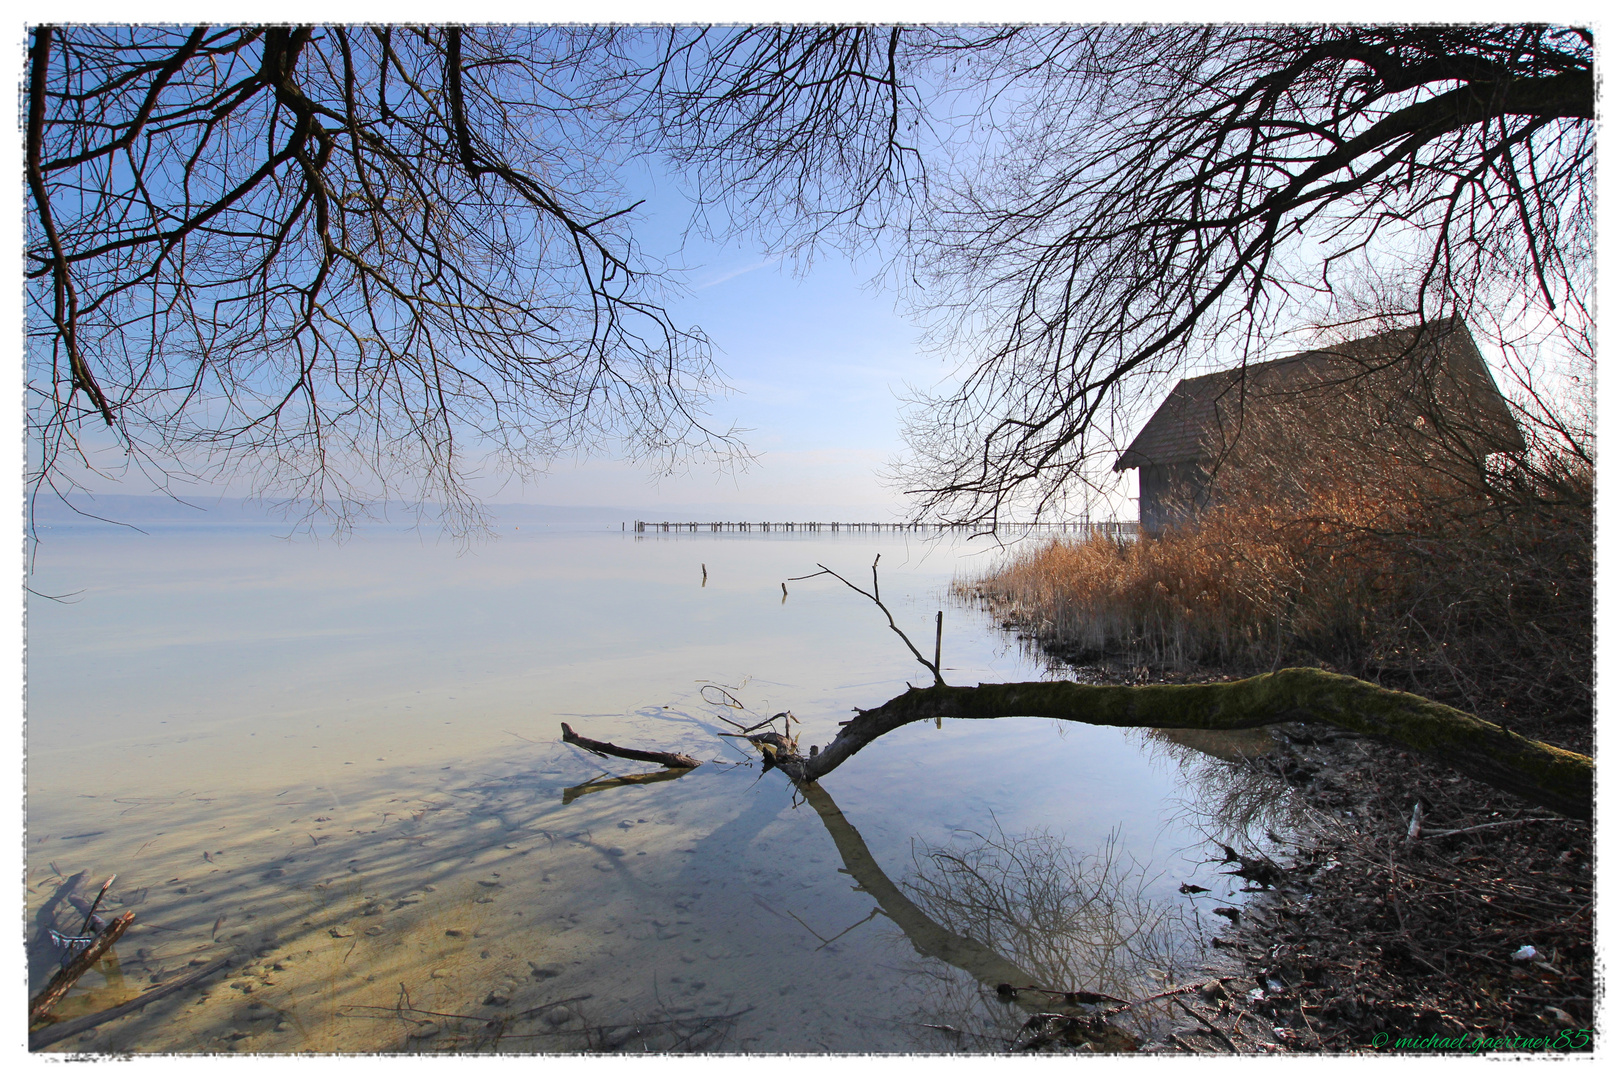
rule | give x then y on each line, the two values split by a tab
939	632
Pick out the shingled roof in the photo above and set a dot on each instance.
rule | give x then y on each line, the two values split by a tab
1202	415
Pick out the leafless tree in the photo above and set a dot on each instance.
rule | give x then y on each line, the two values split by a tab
349	263
329	253
1081	211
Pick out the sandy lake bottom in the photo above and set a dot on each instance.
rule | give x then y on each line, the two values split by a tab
338	768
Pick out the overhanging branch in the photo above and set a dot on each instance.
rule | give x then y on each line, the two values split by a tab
1545	775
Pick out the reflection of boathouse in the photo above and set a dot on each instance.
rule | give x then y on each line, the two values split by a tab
1431	380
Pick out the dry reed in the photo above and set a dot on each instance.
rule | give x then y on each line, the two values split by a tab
1468	581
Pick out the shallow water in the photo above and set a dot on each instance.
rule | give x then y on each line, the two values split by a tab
339	767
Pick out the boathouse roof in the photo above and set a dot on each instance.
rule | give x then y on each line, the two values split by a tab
1434	368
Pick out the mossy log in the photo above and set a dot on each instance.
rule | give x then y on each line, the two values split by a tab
1545	775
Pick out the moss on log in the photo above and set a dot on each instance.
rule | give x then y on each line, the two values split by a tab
1545	775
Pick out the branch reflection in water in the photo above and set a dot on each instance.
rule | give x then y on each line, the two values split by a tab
1234	795
605	782
1025	912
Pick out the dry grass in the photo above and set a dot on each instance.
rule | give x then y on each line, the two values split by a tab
1468	584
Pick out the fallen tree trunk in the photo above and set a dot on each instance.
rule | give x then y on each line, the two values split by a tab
1545	775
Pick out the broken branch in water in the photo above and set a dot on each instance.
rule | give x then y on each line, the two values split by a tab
784	716
64	979
1208	1025
604	749
90	915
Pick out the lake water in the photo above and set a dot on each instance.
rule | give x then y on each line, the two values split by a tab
339	767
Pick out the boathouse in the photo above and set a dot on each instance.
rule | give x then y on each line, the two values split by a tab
1430	382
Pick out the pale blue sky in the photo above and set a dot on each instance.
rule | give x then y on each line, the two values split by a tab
817	363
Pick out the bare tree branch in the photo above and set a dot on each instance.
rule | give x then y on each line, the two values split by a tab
344	265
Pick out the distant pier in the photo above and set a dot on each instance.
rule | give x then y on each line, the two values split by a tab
1121	530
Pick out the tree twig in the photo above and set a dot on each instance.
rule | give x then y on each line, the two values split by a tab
1489	825
873	596
1208	1024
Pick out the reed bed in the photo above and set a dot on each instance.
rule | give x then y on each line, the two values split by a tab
1472	585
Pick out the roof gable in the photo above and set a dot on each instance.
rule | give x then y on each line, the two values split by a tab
1203	416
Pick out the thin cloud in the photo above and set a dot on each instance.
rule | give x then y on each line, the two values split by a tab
738	272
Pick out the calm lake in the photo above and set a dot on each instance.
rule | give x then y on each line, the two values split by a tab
339	767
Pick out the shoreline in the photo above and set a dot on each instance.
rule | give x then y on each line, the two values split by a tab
1368	942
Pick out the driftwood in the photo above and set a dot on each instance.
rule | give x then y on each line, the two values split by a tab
44	1037
603	749
1545	775
63	980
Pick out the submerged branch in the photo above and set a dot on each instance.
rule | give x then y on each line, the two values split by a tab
38	1040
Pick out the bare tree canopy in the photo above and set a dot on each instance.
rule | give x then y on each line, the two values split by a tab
346	262
324	253
1081	210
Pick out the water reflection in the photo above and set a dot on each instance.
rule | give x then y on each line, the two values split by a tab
608	783
1233	799
486	888
1036	928
473	919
